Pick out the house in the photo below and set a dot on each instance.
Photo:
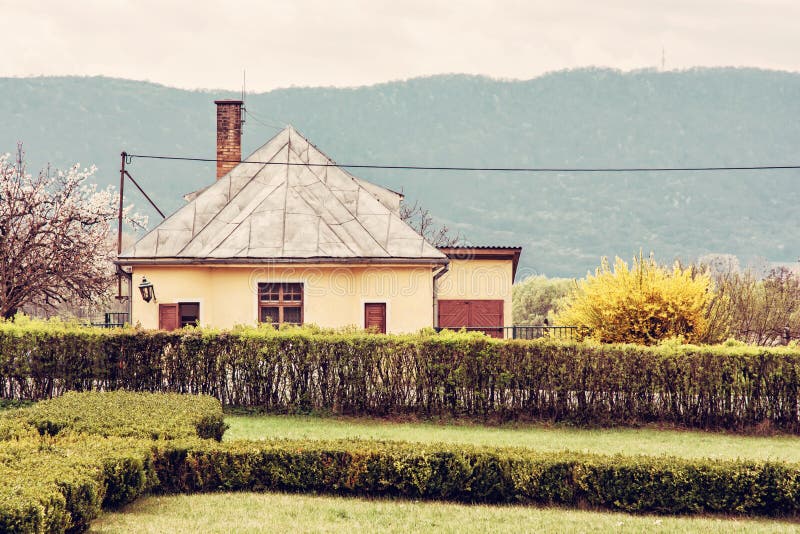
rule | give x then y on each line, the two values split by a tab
286	236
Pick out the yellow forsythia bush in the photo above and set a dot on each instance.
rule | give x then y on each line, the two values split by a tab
642	304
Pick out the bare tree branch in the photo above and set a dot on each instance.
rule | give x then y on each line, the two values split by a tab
421	220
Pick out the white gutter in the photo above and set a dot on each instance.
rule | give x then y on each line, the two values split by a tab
439	274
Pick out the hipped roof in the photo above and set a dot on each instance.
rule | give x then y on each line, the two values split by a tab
266	210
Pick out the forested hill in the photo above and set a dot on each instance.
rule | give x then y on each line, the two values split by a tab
579	118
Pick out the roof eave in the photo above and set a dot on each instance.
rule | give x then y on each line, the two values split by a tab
123	261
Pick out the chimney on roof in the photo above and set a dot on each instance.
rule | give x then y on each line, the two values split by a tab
229	135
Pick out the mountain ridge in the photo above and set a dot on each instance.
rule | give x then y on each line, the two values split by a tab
577	118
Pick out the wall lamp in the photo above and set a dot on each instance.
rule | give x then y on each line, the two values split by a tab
147	290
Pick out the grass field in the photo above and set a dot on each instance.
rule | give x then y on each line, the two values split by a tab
276	512
687	444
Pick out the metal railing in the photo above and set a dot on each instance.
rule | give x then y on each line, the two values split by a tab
522	331
111	320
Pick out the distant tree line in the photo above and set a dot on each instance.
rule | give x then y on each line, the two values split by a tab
756	310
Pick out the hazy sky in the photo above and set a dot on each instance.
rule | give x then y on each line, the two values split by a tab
205	44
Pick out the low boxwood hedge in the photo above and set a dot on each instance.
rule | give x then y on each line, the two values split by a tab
63	461
128	414
61	485
460	473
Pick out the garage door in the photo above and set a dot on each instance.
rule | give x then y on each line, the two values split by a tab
486	315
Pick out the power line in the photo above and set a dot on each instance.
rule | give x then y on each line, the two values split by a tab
260	121
486	169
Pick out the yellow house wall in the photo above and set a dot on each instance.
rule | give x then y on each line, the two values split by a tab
334	296
479	279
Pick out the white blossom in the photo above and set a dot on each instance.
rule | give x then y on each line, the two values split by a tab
54	236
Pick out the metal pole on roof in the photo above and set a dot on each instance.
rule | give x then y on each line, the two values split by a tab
123	156
123	172
243	110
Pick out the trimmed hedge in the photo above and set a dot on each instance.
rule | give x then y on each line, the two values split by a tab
45	494
60	486
63	460
482	475
59	483
445	375
128	414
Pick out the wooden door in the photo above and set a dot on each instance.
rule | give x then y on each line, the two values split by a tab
486	315
453	314
168	316
375	316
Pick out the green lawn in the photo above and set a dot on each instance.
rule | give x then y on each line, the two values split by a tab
276	512
687	444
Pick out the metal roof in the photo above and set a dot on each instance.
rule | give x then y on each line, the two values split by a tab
481	247
273	211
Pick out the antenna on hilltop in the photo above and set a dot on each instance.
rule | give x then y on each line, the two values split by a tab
663	58
244	92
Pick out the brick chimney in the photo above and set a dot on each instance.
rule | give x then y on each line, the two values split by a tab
229	135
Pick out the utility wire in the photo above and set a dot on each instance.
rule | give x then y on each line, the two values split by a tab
487	169
261	121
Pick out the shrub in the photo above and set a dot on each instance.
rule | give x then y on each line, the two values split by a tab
760	311
12	428
57	486
429	375
64	459
128	414
482	474
537	298
643	304
60	483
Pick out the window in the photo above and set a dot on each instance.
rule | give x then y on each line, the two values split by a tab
189	313
280	303
172	316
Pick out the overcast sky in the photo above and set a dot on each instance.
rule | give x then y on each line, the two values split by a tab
206	44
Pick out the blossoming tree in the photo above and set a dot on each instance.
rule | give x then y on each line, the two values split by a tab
54	236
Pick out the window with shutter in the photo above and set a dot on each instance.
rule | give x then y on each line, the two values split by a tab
174	316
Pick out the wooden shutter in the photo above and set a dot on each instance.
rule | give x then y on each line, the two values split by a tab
168	316
375	316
